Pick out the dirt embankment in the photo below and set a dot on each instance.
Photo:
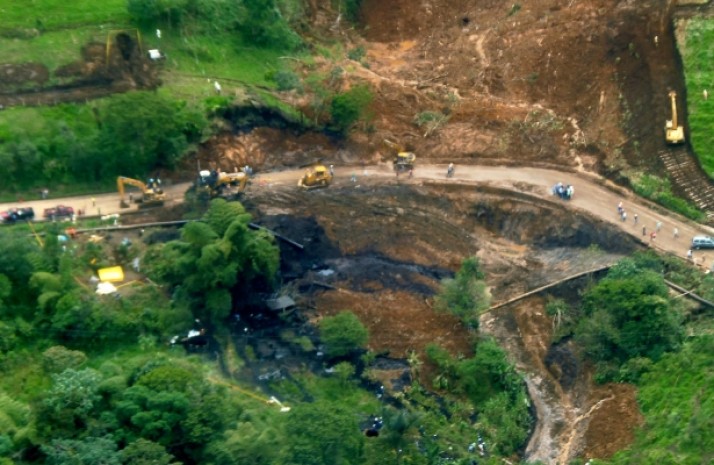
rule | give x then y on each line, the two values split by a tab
380	251
104	69
568	83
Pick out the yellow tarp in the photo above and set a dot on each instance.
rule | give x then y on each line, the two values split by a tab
112	274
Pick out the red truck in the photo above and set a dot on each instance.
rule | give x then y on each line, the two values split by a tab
60	211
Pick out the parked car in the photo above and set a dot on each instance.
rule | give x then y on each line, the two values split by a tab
60	211
703	242
17	214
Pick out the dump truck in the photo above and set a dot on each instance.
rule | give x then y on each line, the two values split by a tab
152	195
315	177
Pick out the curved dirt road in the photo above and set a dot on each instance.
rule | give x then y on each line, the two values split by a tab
590	198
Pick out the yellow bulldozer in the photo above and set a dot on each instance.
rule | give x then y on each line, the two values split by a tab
215	183
316	177
152	195
673	132
403	160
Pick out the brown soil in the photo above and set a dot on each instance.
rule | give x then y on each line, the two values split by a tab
99	73
570	84
433	227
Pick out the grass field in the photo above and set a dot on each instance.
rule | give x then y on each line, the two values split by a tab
53	14
698	56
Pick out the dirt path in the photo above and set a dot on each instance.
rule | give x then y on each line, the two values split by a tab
590	198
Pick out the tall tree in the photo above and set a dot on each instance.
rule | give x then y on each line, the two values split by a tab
216	260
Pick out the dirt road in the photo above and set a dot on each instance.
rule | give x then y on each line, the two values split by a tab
590	198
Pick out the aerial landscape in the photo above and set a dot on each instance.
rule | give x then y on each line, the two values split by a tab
337	232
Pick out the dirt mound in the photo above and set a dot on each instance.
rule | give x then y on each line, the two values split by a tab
12	75
489	67
104	69
604	436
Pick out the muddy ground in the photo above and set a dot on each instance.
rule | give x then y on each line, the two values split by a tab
568	84
381	250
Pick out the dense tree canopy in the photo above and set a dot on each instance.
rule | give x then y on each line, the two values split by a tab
629	316
216	259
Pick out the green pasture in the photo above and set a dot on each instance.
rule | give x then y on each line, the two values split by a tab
698	57
60	14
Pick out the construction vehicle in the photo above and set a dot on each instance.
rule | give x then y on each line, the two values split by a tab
216	183
316	177
403	160
673	132
152	195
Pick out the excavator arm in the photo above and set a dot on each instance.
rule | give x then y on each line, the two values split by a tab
673	97
121	181
674	133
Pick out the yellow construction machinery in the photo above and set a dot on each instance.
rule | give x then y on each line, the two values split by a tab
673	132
152	195
216	183
403	160
315	177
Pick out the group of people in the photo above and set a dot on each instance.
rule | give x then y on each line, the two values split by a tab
635	220
564	191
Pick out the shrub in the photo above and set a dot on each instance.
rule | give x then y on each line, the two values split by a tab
465	295
350	106
357	53
287	80
660	190
343	334
628	315
56	359
430	121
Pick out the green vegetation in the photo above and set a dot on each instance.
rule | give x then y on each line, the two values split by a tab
214	260
129	135
343	334
493	387
51	14
698	60
660	190
627	320
465	295
675	396
86	381
350	106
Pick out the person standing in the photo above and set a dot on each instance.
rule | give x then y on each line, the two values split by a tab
332	170
658	226
689	254
635	218
653	236
644	231
624	215
676	233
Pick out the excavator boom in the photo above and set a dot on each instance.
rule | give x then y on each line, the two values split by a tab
673	132
150	195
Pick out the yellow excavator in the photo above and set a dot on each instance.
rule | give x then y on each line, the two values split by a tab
403	160
217	183
152	195
673	132
316	177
